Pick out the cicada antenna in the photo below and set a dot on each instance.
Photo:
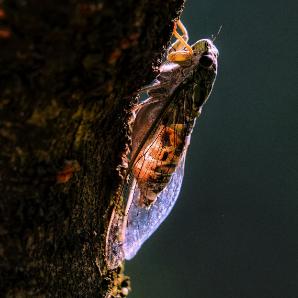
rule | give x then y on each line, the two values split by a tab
214	37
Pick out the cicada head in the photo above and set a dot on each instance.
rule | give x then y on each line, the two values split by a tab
205	60
206	50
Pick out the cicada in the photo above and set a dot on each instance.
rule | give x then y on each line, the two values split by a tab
160	138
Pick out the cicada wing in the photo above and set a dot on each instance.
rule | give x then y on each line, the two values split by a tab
114	253
141	221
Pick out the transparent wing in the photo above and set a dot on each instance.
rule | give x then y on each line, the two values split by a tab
142	222
124	234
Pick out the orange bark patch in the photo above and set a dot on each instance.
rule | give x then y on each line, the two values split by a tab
70	167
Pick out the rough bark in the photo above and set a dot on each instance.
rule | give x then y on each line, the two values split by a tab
68	72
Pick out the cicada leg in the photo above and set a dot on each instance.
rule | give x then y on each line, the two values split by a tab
177	45
183	50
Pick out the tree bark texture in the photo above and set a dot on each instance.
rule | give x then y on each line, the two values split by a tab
69	72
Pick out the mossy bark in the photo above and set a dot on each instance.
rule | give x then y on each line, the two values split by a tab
68	74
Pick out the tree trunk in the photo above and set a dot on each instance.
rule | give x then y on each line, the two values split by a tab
68	73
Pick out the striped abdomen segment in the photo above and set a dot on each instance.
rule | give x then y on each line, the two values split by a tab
158	160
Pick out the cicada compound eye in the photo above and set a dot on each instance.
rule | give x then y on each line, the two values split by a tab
206	60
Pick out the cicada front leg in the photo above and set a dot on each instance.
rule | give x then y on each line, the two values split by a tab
181	50
177	45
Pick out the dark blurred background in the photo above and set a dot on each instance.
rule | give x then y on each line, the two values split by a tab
234	229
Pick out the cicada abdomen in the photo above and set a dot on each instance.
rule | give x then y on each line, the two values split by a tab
160	138
157	161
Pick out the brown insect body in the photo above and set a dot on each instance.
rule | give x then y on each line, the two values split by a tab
163	149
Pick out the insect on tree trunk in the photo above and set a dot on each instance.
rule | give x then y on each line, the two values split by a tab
68	70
